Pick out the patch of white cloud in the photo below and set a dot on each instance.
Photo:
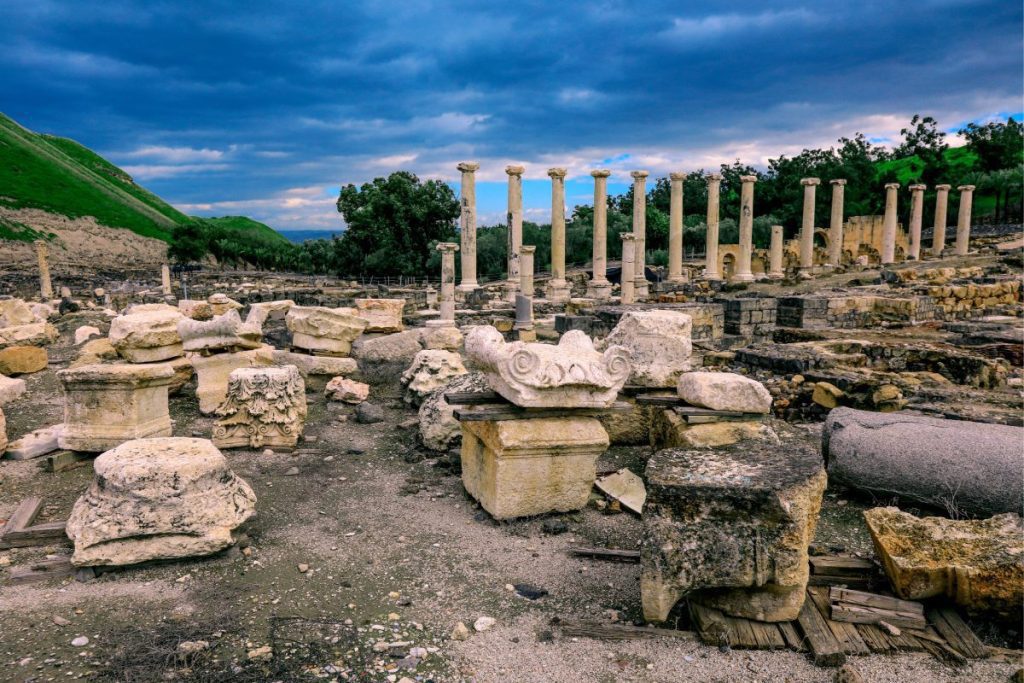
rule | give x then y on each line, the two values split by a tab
716	26
174	155
71	62
156	171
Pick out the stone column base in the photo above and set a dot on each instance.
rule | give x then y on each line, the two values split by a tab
558	291
743	277
520	468
599	290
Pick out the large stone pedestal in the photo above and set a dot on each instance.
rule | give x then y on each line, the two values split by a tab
730	528
264	407
519	468
212	373
106	405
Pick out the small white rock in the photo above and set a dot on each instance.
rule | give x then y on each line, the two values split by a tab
80	641
483	624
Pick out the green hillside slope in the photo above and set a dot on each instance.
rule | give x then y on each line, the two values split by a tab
63	177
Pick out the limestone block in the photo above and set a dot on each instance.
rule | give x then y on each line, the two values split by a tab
827	395
22	360
30	334
751	565
260	312
222	332
967	468
195	309
977	563
531	375
430	370
439	430
315	366
15	312
95	351
264	407
147	335
322	330
382	315
670	430
382	360
658	343
347	390
158	499
221	304
183	373
83	333
106	405
724	391
519	468
10	389
212	373
628	428
36	443
446	337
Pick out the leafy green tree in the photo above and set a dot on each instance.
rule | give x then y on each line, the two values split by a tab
188	242
998	145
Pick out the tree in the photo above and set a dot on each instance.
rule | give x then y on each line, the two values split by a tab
924	140
998	145
188	242
392	223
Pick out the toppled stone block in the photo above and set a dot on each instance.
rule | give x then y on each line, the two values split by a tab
977	563
195	309
10	389
441	336
95	351
22	360
147	335
347	390
439	430
325	331
221	304
382	360
724	391
212	373
36	443
519	468
106	405
158	499
668	429
222	332
659	345
967	468
15	312
38	333
827	395
752	564
264	407
83	333
430	370
382	315
570	375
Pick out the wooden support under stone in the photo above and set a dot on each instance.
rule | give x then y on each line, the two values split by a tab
19	532
491	406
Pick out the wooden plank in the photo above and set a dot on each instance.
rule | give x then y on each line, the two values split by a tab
23	516
658	400
858	614
741	634
510	412
846	634
834	580
957	633
792	638
607	554
40	534
473	398
884	602
67	460
838	565
593	629
42	570
875	638
826	649
711	625
767	635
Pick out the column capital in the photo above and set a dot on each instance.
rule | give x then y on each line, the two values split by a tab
918	187
943	187
600	173
714	177
677	175
892	186
447	247
557	172
965	188
527	249
810	181
639	175
748	178
838	181
515	170
628	236
468	166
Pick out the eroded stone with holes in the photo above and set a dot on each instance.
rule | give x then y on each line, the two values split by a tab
658	343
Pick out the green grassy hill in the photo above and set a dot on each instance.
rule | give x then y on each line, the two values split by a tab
63	177
240	226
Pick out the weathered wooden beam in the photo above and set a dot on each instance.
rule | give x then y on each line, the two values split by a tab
41	570
826	649
957	633
510	412
886	602
839	565
859	614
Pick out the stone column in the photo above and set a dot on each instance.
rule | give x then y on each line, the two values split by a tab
599	287
467	226
939	232
640	230
835	228
675	228
889	224
165	279
743	272
515	227
775	271
45	285
526	269
628	290
711	240
446	303
916	213
558	289
807	226
963	221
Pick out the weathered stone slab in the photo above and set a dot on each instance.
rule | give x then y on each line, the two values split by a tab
347	391
430	370
35	444
263	407
221	304
519	468
195	309
30	334
158	499
106	405
730	527
147	335
439	430
658	343
15	312
10	389
212	373
977	563
324	330
222	332
382	360
22	360
570	375
724	391
382	315
966	468
669	430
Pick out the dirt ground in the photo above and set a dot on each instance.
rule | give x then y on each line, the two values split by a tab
397	554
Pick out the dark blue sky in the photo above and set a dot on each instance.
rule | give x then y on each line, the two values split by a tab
263	108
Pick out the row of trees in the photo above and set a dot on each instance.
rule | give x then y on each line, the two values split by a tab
393	223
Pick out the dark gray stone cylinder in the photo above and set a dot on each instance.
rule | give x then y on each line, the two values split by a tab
967	468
